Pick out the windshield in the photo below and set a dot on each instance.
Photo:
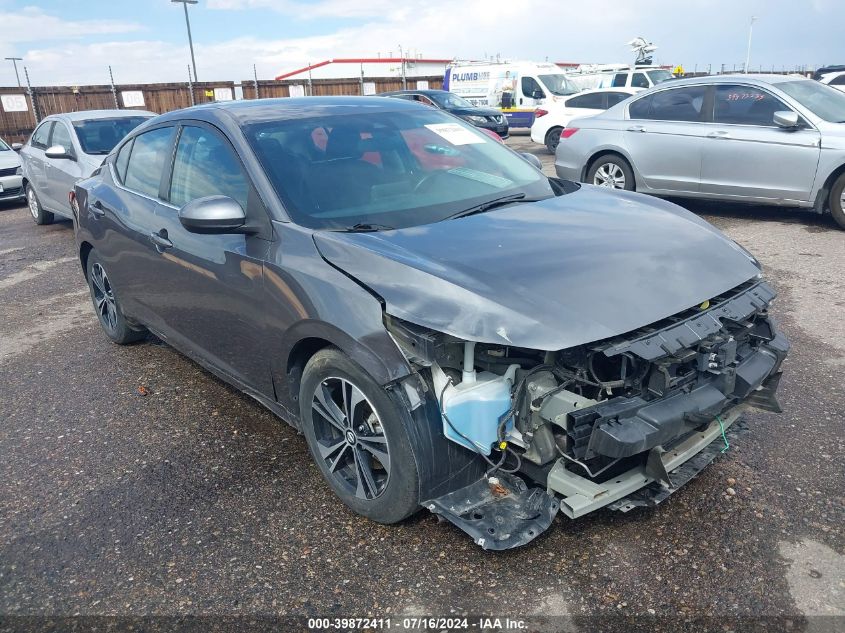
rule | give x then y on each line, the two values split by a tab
391	169
559	84
825	102
99	136
449	100
659	76
3	146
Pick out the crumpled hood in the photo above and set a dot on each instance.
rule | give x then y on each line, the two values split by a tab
546	275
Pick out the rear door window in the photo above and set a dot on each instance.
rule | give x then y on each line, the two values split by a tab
593	101
744	105
151	152
678	104
41	136
616	97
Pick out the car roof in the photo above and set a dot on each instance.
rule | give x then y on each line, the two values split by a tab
759	80
258	110
630	91
90	115
427	91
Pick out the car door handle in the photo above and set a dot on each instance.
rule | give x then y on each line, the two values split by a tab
636	128
97	209
719	134
160	240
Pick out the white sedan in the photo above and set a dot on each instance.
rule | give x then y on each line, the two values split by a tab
552	119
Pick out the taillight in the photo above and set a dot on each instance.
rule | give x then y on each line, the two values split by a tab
540	112
567	132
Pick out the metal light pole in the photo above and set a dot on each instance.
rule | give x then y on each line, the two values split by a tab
748	51
15	61
185	4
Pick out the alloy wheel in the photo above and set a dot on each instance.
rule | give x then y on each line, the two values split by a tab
33	202
609	175
104	297
350	438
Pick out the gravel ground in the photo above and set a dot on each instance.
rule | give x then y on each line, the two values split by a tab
192	500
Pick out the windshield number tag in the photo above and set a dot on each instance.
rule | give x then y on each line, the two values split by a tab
455	134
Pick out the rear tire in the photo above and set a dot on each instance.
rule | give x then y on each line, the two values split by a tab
837	200
106	304
357	437
39	215
553	139
611	171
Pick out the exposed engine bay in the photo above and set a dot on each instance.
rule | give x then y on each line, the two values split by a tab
598	424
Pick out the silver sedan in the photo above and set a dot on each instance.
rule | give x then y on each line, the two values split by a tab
767	139
65	148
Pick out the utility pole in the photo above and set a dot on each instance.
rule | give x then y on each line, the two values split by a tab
402	60
31	95
185	4
15	61
255	74
113	90
748	51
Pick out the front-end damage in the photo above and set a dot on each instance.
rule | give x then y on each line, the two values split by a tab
619	422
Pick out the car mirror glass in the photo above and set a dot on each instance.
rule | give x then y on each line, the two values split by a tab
17	147
213	214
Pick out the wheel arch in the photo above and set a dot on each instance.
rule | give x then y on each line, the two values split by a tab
608	152
84	251
306	338
823	196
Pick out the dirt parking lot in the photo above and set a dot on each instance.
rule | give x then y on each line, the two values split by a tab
133	483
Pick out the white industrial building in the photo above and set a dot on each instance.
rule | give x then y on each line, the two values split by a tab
355	68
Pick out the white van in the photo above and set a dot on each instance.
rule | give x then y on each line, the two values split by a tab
516	88
618	76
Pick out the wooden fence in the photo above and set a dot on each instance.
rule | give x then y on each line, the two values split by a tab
16	126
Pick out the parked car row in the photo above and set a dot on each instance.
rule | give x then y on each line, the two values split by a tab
65	148
765	139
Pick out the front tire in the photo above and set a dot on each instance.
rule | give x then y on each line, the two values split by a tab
613	172
553	139
837	200
357	436
107	306
39	215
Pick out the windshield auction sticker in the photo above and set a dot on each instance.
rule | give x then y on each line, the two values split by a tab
455	134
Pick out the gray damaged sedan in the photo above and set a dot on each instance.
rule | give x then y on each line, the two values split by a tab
761	139
68	147
448	328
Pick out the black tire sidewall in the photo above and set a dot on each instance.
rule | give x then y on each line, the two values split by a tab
122	333
835	202
44	217
555	131
630	185
400	498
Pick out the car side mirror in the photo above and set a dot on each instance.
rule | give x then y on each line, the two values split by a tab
17	147
786	119
533	160
213	214
57	151
538	94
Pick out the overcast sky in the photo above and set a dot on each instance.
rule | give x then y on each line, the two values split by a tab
74	41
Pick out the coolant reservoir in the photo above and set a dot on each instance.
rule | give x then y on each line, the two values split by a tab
474	409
